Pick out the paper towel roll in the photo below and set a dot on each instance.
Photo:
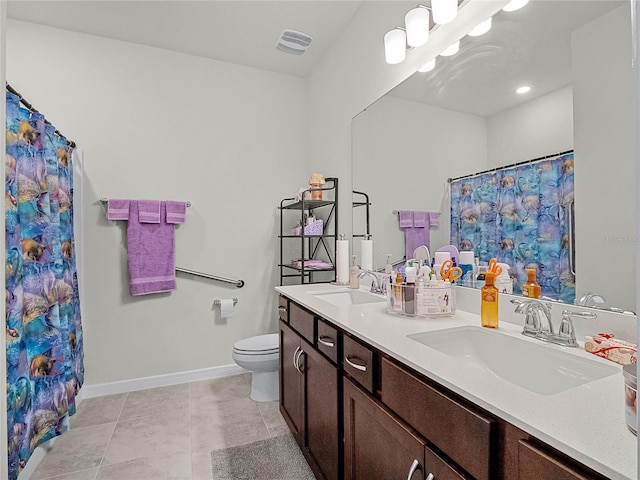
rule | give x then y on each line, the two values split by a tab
226	307
366	252
342	261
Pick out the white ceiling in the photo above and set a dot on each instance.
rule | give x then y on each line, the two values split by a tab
529	46
238	31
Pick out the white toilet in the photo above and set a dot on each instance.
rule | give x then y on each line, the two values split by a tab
260	355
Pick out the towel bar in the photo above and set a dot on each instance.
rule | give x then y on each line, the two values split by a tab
237	283
106	200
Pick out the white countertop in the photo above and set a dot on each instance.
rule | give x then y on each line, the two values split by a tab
585	422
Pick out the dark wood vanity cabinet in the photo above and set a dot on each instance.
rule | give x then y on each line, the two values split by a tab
309	396
358	414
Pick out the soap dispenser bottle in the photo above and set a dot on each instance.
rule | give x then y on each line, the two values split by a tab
489	305
354	272
531	289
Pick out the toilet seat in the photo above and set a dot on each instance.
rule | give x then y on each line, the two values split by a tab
258	345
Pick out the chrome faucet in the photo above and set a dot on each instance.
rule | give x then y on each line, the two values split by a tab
590	300
538	324
377	286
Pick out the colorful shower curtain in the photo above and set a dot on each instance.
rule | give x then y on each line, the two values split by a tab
44	332
519	215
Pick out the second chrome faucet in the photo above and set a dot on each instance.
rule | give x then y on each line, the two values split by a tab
538	323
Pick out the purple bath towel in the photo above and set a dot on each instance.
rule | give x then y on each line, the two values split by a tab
118	209
150	252
417	232
176	211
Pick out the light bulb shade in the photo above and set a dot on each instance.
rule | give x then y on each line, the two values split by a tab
451	49
514	5
444	11
427	67
416	21
395	44
481	29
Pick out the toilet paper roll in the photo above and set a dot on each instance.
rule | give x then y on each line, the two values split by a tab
226	307
342	261
366	252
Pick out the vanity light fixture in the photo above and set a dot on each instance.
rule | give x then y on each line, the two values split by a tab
395	45
514	5
416	21
481	28
451	49
427	67
523	90
444	11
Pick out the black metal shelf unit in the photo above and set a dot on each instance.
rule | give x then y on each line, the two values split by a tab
311	246
362	203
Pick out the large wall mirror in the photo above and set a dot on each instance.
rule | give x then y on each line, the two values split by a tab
465	117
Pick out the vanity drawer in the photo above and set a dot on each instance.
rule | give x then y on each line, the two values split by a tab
328	340
535	464
301	320
283	309
461	434
358	362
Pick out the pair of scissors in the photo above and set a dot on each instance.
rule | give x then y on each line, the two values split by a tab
449	272
494	267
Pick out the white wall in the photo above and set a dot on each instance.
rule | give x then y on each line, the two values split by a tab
412	147
605	173
541	127
158	124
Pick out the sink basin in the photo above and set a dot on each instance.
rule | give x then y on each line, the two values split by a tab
532	366
348	297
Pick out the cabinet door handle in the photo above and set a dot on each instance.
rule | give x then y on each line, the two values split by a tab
362	368
430	477
282	309
296	359
326	341
415	466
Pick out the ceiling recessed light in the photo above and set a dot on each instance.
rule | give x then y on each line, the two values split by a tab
523	90
427	67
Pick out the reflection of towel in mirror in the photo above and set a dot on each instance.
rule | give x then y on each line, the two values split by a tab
417	227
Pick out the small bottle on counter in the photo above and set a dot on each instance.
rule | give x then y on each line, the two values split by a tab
489	305
397	293
531	289
354	271
410	290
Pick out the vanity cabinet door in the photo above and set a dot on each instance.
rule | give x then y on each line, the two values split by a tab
291	381
535	464
377	445
322	429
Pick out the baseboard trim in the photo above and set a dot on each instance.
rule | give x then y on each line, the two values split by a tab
134	384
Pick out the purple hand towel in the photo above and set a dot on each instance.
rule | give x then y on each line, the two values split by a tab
150	253
405	218
176	211
149	211
118	209
434	219
420	219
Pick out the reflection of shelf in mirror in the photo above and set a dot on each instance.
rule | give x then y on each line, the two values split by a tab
308	204
305	236
307	269
361	204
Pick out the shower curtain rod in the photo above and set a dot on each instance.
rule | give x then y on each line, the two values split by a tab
71	143
449	180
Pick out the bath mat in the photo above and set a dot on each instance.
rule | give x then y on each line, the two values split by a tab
277	458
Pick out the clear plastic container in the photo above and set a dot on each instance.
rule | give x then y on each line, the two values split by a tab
429	301
630	373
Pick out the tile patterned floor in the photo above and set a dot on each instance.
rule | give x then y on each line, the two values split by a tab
163	433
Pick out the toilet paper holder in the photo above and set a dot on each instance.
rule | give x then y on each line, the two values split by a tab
217	301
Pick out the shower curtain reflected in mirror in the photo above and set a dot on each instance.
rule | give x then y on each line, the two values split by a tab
43	325
520	215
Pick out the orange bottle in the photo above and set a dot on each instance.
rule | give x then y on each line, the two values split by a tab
489	305
531	289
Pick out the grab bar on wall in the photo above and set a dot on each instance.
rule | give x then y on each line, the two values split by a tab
106	200
572	253
237	283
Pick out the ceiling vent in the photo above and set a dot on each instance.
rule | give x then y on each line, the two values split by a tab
295	43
